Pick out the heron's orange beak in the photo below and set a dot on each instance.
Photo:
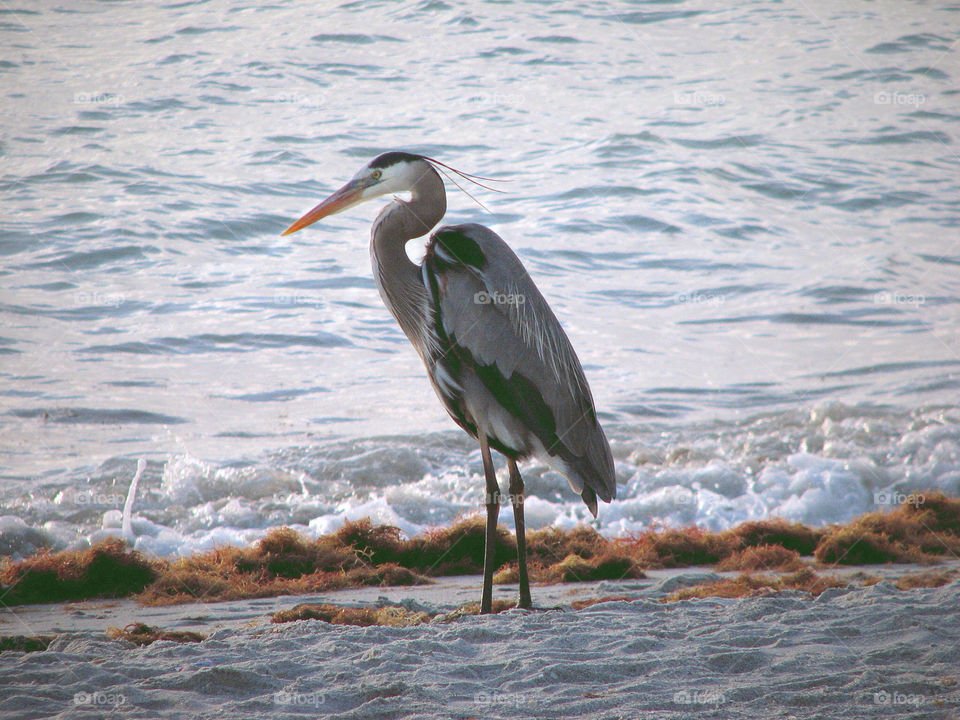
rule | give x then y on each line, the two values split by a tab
347	196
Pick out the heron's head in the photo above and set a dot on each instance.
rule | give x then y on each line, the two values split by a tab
391	172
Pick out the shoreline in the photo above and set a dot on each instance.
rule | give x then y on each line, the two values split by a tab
361	554
442	595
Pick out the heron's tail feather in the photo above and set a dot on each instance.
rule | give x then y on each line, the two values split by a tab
590	498
594	471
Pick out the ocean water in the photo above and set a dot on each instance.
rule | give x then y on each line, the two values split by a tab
745	215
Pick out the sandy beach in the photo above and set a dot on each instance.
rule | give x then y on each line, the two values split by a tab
860	652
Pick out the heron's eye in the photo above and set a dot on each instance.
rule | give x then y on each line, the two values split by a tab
376	174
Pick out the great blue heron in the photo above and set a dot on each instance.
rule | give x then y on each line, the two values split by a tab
496	355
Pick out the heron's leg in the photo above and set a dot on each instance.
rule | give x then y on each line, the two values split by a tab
516	498
493	513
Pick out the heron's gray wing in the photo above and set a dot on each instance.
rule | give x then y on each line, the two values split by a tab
493	319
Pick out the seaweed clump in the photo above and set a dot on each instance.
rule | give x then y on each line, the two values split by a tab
141	634
107	569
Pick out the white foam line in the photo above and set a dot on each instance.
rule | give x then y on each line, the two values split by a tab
128	505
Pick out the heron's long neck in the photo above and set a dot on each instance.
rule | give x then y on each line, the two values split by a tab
398	278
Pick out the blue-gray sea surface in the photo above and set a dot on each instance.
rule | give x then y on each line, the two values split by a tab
745	215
